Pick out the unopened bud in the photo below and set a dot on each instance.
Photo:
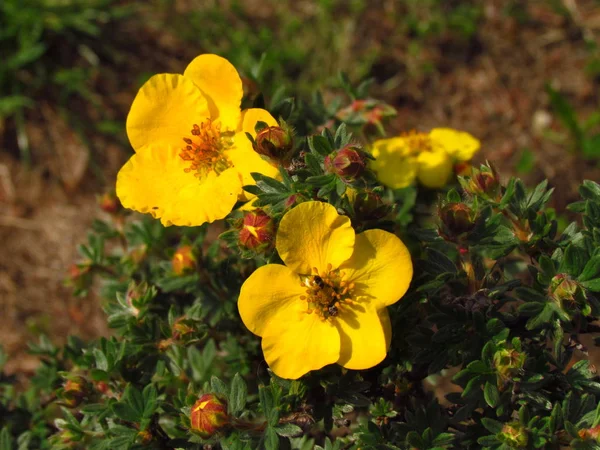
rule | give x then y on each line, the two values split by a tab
258	231
184	260
457	218
484	182
144	437
348	163
109	203
74	391
508	362
566	292
275	143
368	205
590	433
514	434
208	415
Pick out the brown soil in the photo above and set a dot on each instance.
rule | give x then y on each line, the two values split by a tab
491	85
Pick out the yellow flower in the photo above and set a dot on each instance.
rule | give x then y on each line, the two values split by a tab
428	157
327	304
192	156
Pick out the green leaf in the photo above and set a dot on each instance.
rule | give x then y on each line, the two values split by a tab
592	285
126	412
574	260
320	145
237	397
271	439
493	426
218	387
288	430
6	441
491	394
591	269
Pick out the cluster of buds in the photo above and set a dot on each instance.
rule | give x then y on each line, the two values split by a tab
184	260
208	416
347	163
483	182
257	231
514	434
567	293
368	112
456	221
74	390
508	362
275	143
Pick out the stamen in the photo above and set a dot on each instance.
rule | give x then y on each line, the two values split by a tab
417	142
327	293
205	152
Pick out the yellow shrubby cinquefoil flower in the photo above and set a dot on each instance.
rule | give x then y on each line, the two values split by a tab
192	156
327	304
428	157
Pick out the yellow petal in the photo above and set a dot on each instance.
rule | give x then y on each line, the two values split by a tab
435	168
210	199
458	144
164	111
364	335
313	234
221	84
295	342
394	167
245	160
380	267
153	181
267	290
251	116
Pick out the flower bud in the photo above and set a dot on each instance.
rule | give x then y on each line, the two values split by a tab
368	205
456	218
184	260
208	415
348	163
109	202
590	433
484	182
258	231
566	292
144	437
514	434
508	362
74	391
275	143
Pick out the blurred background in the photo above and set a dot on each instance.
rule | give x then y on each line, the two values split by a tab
522	76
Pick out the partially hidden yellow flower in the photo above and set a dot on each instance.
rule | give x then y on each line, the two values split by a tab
192	156
428	157
327	304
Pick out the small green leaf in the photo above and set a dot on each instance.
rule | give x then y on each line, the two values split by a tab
237	397
491	394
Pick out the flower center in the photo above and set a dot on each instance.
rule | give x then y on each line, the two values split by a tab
417	142
326	292
204	150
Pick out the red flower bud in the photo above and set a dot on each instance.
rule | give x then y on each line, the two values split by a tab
184	260
457	218
348	163
74	391
275	143
109	203
208	415
258	231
